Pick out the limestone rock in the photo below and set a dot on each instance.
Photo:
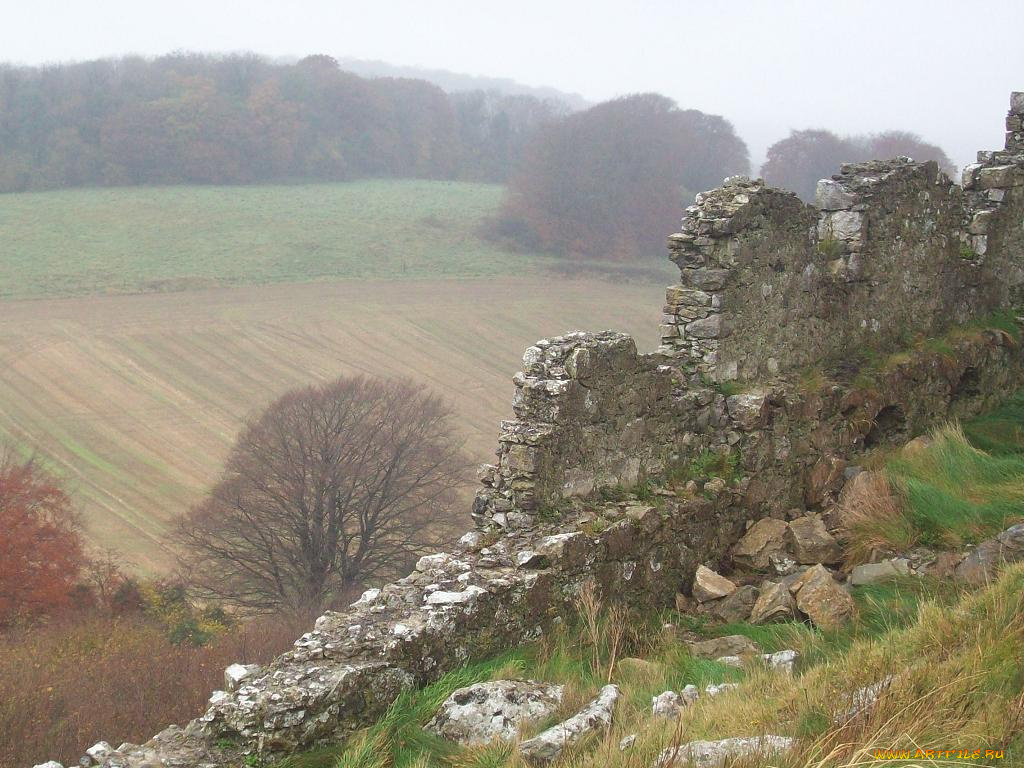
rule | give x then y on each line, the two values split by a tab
810	542
480	713
822	600
735	607
597	715
717	690
775	603
715	754
863	700
981	564
782	661
99	751
709	585
831	196
747	409
731	661
627	742
670	703
236	673
48	764
872	573
765	538
729	645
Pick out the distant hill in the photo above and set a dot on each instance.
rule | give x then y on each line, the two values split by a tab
454	82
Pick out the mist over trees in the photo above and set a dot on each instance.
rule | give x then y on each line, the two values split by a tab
610	182
797	162
241	119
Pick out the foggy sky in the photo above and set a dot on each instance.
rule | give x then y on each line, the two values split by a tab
940	68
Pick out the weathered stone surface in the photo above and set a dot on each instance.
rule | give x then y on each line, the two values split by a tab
863	700
981	565
481	713
709	585
729	645
48	764
99	752
670	704
782	661
774	604
872	573
236	673
810	542
748	409
765	538
715	754
717	690
597	715
822	600
735	607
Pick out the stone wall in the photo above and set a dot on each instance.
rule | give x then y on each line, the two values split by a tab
590	412
892	249
489	594
761	297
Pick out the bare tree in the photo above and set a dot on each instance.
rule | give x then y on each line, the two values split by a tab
330	487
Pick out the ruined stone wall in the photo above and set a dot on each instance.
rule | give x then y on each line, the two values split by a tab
892	249
590	412
759	298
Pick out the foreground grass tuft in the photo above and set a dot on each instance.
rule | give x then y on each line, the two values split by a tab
944	495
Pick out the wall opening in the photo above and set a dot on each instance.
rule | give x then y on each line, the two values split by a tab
889	426
968	385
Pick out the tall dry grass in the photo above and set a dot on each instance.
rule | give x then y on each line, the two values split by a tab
945	494
66	685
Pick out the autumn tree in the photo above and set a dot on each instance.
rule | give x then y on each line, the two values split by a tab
331	486
797	162
40	546
609	183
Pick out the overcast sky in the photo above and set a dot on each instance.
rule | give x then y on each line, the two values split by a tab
940	68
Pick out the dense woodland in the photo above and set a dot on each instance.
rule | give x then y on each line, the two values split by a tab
241	119
602	183
610	182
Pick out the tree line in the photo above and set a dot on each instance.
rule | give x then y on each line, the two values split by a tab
797	162
240	119
604	183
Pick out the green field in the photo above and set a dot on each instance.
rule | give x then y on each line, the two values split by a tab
129	240
239	294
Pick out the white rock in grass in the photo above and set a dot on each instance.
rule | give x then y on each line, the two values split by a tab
481	713
715	754
597	715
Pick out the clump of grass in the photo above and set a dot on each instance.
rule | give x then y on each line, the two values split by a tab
944	495
872	517
954	493
1001	431
705	465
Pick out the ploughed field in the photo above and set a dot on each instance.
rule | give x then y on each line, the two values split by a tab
135	398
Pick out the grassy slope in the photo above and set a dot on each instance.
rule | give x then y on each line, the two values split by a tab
138	239
136	398
955	657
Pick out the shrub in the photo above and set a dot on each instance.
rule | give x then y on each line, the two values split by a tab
66	685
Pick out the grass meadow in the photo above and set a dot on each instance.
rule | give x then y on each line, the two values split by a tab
140	326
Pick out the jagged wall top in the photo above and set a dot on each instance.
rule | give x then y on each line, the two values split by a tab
891	249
